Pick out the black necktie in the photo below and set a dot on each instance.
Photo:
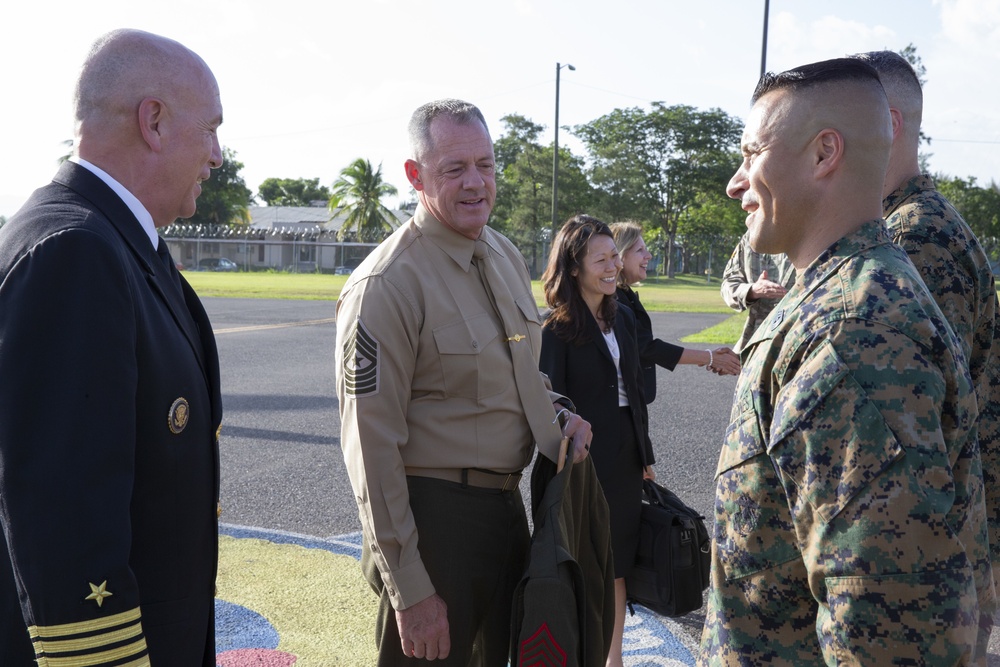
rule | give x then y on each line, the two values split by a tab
534	397
168	262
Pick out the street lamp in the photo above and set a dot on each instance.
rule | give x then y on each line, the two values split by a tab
763	48
555	157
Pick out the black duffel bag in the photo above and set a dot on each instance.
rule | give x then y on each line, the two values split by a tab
674	555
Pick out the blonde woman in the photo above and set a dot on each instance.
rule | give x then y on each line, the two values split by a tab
653	351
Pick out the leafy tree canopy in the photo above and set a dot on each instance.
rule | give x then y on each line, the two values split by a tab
653	165
358	192
292	191
225	199
980	206
523	207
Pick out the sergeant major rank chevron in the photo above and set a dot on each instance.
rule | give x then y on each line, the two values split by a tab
361	362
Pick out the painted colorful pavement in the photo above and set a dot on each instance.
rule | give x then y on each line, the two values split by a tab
286	599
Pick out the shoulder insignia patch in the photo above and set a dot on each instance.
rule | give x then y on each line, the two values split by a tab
360	362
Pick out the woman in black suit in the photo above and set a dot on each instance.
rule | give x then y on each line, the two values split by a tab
590	354
653	351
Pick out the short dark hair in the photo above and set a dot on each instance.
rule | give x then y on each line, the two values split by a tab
835	70
420	122
901	84
890	65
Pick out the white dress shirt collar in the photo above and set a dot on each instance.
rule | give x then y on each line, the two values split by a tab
134	205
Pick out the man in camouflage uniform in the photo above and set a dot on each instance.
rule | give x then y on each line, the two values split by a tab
849	509
756	283
955	269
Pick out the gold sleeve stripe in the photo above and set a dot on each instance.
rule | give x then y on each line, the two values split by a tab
97	659
130	632
47	631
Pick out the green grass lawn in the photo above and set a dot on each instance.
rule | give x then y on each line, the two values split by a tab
266	285
725	333
683	294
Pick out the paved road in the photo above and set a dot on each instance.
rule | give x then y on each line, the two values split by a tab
282	467
281	462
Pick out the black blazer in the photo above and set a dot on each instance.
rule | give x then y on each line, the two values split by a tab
586	374
653	352
105	477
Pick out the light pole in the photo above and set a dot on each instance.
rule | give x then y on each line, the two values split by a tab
555	158
763	48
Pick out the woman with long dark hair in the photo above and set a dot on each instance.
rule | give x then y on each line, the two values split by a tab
590	354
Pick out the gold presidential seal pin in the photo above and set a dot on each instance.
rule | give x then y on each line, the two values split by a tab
178	416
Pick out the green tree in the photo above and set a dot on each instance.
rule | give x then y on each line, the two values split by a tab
523	207
978	205
358	192
292	191
709	230
523	204
225	198
520	135
68	143
653	165
910	53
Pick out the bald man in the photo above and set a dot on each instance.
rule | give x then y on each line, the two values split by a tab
110	404
849	503
955	269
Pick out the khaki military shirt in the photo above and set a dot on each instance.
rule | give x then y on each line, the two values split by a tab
848	486
957	272
425	380
742	270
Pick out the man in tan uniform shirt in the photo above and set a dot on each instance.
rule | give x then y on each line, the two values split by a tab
434	431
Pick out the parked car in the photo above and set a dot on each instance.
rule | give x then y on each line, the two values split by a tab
348	266
217	264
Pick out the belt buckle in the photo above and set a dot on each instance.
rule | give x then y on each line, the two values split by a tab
510	476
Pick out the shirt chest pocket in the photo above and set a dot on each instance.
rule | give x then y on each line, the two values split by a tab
829	441
753	525
474	362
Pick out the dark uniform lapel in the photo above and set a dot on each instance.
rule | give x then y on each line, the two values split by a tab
88	185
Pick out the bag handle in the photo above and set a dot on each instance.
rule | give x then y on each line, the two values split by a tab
654	492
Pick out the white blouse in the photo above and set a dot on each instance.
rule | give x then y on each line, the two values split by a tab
616	354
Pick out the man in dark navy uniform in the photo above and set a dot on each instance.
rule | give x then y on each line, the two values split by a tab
110	394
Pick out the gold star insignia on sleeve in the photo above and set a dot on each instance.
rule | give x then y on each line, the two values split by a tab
98	593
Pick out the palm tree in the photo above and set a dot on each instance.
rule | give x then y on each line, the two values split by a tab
358	192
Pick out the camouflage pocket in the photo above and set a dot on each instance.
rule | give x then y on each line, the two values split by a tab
753	526
827	435
923	618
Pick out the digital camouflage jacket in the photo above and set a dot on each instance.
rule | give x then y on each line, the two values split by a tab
850	520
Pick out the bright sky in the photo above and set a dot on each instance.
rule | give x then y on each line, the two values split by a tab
308	86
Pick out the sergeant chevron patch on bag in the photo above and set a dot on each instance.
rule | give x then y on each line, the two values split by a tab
361	362
542	650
